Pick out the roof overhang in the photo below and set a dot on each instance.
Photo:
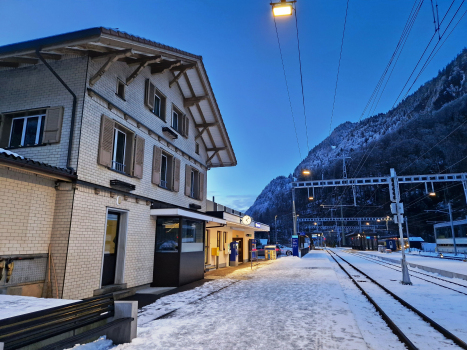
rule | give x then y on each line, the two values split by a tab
187	214
188	71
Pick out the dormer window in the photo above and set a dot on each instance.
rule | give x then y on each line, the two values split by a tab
120	89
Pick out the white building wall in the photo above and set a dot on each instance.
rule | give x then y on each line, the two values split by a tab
94	106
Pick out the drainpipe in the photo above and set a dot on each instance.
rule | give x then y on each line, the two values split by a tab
73	111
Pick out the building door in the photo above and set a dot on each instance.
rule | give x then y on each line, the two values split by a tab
240	249
110	250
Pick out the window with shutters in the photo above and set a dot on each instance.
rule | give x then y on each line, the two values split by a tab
31	128
194	187
123	150
155	100
180	121
167	171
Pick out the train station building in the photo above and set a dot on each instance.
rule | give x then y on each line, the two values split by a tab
106	141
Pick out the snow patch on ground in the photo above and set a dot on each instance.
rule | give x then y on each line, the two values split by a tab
13	305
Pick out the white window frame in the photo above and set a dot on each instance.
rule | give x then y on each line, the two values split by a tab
178	121
115	149
157	113
39	124
166	169
192	189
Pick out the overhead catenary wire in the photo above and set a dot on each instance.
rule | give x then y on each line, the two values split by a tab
301	81
339	66
287	86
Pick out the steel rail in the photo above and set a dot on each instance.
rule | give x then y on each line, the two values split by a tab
433	324
396	330
384	263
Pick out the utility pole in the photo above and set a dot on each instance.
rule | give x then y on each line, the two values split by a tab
452	229
275	228
294	213
396	198
407	229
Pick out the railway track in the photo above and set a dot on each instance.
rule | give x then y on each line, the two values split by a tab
420	331
398	268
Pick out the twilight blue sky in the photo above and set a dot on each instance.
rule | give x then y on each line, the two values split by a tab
238	43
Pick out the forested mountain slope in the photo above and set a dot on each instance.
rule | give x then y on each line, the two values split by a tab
425	133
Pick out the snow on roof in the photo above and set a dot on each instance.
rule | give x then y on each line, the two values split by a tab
10	153
416	239
9	157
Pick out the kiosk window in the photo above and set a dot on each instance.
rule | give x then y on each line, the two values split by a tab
192	236
167	232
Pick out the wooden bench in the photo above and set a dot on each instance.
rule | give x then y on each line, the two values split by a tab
64	326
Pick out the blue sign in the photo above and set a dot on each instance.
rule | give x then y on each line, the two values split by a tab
294	246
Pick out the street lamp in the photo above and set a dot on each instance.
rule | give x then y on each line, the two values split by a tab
306	172
283	8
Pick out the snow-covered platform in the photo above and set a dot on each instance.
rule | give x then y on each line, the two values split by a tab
443	267
290	303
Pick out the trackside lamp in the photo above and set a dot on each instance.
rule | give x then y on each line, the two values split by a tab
283	8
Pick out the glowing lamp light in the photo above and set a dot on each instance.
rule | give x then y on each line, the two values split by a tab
432	194
306	172
282	9
367	223
310	198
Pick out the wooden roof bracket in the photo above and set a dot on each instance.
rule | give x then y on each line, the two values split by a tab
114	57
182	69
164	66
201	133
211	156
206	125
141	66
191	101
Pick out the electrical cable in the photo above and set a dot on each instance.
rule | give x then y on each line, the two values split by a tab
339	66
301	81
287	86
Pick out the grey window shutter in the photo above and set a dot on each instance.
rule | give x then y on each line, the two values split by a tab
201	186
53	125
176	182
156	165
5	127
187	180
149	94
106	141
139	157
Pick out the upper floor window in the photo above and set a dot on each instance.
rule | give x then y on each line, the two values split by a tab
26	131
31	128
196	147
155	100
175	123
180	122
120	89
194	183
120	149
120	145
166	170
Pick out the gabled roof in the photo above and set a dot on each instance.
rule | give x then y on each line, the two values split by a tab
15	160
188	71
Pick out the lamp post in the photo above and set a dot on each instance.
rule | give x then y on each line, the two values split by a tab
275	228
